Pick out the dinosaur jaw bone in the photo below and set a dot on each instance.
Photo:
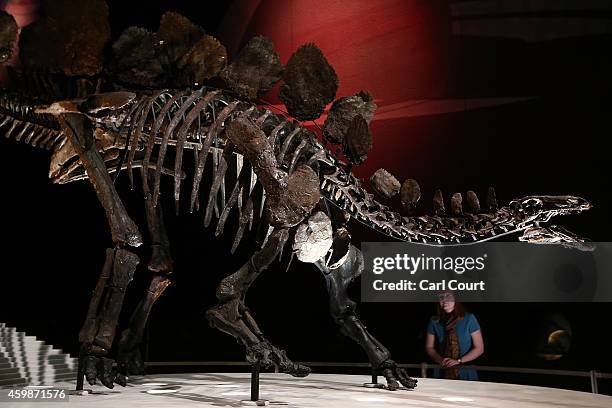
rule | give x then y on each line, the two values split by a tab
555	234
541	209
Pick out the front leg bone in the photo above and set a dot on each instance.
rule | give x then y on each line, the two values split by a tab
98	332
232	316
128	355
80	133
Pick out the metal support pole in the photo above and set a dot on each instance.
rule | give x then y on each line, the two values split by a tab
255	382
374	383
594	387
423	370
254	400
80	371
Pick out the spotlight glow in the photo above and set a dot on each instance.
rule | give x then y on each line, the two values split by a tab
161	391
456	399
153	384
371	399
237	393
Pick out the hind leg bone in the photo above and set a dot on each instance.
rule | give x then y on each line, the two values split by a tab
129	357
343	312
232	316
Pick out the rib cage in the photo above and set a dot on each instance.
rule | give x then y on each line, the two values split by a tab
19	122
152	127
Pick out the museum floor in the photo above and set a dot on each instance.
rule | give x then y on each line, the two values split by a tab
318	390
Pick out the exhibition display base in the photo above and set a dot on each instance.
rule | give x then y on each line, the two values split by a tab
317	390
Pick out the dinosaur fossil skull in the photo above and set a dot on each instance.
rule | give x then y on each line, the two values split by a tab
543	208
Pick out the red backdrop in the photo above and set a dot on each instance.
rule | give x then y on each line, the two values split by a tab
395	49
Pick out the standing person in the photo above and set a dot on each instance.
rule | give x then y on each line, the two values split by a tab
458	338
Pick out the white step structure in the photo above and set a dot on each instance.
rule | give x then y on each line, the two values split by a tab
25	360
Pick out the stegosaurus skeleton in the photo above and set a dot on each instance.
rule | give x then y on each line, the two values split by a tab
283	181
93	143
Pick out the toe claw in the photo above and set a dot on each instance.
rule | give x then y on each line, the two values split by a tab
106	373
393	373
130	362
405	379
300	370
121	379
90	370
268	355
392	383
96	367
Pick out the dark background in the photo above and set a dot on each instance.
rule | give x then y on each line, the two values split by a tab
553	143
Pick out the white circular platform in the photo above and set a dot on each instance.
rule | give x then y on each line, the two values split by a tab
318	390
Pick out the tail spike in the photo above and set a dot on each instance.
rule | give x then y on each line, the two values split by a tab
491	199
410	194
473	204
456	204
438	204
